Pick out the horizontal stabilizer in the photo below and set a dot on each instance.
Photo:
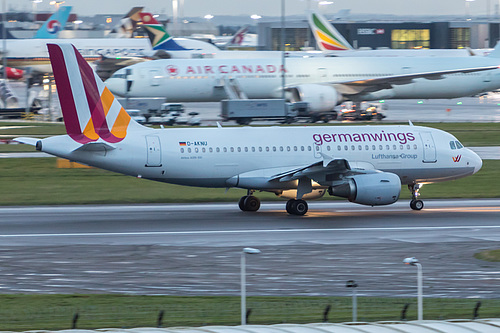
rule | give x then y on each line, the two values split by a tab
27	141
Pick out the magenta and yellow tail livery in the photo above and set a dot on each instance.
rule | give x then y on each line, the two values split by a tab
327	37
89	109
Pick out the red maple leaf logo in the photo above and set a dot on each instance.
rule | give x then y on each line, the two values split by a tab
172	70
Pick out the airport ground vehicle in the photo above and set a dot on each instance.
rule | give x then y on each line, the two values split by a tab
137	116
244	111
361	111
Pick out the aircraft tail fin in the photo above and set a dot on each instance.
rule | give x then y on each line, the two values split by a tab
91	112
128	23
239	36
496	52
159	37
327	37
55	23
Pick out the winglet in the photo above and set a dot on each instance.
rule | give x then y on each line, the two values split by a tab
410	123
90	110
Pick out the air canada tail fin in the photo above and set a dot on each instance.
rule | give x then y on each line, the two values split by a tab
327	37
159	37
55	23
90	110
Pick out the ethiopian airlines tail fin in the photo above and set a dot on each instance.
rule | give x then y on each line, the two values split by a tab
90	110
55	23
159	37
327	37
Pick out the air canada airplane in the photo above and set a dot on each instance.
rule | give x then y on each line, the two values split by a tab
365	164
323	82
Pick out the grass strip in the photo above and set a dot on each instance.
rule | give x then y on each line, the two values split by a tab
55	312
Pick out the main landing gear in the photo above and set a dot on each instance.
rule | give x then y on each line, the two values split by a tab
415	203
249	203
296	207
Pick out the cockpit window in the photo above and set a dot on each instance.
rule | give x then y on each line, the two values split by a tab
452	145
459	145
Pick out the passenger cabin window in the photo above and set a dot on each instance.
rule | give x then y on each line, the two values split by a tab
452	145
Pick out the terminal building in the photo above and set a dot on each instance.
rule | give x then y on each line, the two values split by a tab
394	35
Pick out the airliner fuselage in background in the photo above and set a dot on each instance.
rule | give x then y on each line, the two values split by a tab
323	82
22	53
366	164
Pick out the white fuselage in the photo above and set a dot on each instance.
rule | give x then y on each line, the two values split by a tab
22	53
249	157
197	80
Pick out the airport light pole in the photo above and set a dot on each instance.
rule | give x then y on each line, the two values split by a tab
414	262
352	284
246	250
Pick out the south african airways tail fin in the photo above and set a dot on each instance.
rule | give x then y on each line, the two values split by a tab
91	112
327	37
159	37
55	23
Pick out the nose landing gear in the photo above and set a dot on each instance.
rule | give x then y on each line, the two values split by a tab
415	203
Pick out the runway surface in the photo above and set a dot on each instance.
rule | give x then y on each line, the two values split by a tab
195	249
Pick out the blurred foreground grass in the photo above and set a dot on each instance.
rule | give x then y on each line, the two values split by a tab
30	312
37	181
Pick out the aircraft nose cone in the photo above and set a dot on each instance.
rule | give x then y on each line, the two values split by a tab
116	86
476	161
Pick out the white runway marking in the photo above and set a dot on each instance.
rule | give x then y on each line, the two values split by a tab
221	232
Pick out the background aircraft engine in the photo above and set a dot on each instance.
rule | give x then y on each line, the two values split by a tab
320	97
292	194
373	189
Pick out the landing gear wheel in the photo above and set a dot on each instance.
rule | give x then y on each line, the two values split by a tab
296	207
416	204
241	203
251	203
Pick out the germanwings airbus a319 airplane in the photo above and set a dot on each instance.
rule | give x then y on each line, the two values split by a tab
365	164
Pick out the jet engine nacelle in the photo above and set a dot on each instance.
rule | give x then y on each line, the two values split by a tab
381	188
320	97
292	194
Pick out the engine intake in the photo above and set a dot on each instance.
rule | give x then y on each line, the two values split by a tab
381	188
320	97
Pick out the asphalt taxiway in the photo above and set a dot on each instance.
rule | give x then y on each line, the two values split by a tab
194	249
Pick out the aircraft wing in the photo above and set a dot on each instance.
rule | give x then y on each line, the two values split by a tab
329	167
387	82
105	66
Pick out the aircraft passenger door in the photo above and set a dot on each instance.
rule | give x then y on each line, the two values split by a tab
154	76
318	149
322	74
429	147
154	151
